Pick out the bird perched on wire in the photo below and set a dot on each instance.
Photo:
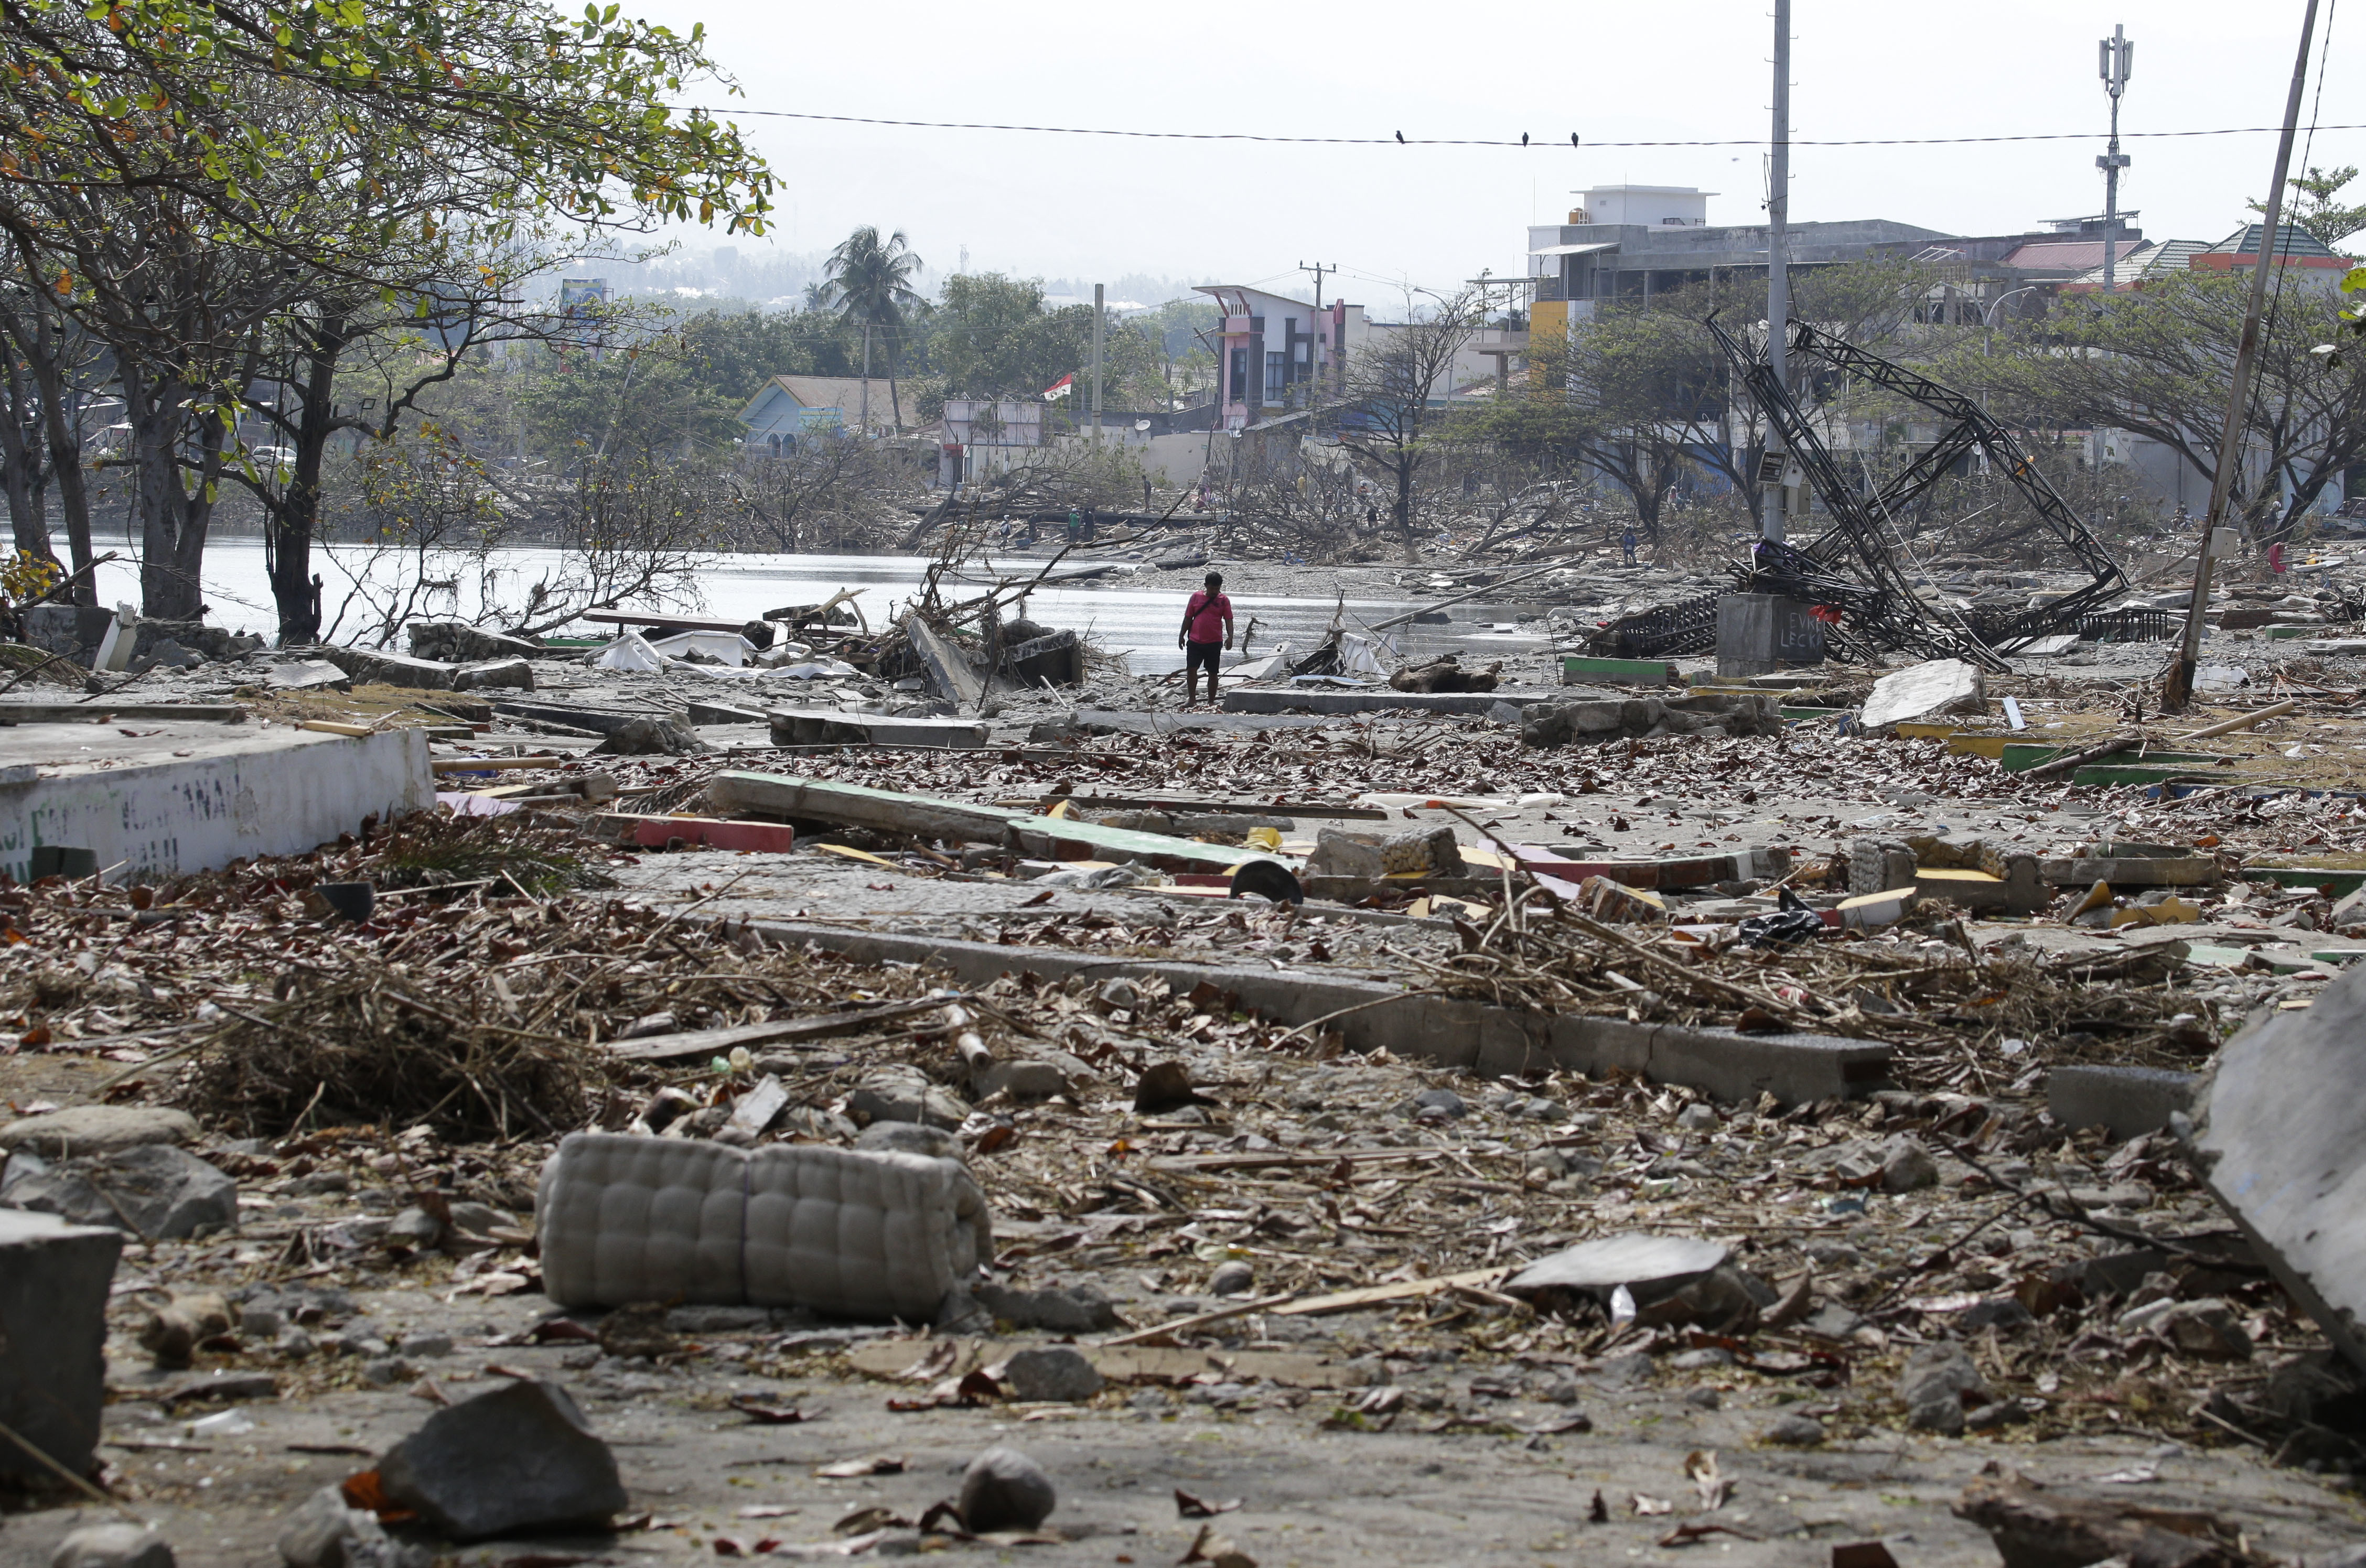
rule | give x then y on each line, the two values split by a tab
1401	139
1523	138
1572	139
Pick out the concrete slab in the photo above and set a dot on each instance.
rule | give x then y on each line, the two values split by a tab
1577	670
181	796
390	670
949	674
1471	1036
2132	871
2281	1142
1316	700
99	712
602	721
1759	633
834	726
1114	722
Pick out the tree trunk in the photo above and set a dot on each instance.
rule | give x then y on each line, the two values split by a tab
172	522
292	523
21	469
62	415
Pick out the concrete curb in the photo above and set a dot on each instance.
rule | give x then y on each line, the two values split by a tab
1470	1035
2124	1101
1318	700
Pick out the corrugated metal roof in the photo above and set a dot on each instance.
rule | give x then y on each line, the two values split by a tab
2063	256
2290	242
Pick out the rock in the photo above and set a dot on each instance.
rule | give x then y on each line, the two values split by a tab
456	642
910	1138
510	674
390	670
162	1192
517	1458
1341	854
905	1094
2206	1329
429	1345
1697	1116
1906	1166
637	1330
173	1332
1052	1372
97	1129
1166	1086
1793	1431
1924	691
324	1533
1075	1309
55	1280
2001	1312
652	738
415	1227
1673	1280
1022	1079
1937	1377
113	1546
1003	1489
1231	1278
384	1372
1445	1101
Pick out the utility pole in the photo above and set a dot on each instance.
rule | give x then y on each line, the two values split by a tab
1318	270
2177	690
2115	59
1096	363
1778	284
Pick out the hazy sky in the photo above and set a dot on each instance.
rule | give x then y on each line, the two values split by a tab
1246	212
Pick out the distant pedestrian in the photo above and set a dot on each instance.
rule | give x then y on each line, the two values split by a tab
1092	519
1145	494
1202	648
1626	543
1075	525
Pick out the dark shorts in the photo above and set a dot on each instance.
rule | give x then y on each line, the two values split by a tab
1201	656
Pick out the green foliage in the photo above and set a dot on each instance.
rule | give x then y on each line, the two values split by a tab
2316	208
734	355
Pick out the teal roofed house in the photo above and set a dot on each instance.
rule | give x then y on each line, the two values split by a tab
788	409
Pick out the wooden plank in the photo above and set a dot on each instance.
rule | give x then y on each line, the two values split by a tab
815	1026
1380	1295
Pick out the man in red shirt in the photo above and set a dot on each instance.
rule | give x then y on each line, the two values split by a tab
1200	641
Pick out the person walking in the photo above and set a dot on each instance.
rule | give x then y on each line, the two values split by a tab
1202	647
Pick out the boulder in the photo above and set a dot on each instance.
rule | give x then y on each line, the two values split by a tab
162	1192
1003	1489
1055	1373
515	1459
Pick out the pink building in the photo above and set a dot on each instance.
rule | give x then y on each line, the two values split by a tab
1277	353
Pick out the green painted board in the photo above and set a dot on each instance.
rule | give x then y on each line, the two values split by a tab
2021	756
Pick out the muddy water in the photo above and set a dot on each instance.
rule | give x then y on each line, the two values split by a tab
1135	609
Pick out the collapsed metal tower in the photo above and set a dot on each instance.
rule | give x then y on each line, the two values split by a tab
1852	572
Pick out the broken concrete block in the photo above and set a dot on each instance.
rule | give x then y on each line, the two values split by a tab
652	738
518	1458
1873	912
2285	1155
390	670
1925	691
1932	1387
97	1129
324	1533
1876	864
456	642
905	1094
162	1192
1053	1373
1339	853
2132	871
512	673
54	1282
113	1546
1003	1489
948	668
1906	1166
1057	658
832	726
2124	1101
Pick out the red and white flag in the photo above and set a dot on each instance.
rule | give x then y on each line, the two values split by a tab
1061	387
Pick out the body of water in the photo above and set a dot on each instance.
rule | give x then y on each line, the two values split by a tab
1136	613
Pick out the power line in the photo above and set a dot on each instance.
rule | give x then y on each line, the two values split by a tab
1401	140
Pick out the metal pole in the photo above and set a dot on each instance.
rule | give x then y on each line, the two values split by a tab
1096	363
2177	690
2117	56
1778	284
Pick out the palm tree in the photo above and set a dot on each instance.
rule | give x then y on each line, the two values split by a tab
870	282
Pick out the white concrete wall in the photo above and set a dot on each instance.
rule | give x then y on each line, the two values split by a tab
242	792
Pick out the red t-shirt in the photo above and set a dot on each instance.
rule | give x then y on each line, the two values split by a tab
1206	616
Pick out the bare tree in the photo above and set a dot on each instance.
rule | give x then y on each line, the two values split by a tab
1392	410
